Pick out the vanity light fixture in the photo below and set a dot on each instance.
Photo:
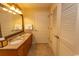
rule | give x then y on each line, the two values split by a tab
11	12
11	9
16	10
5	9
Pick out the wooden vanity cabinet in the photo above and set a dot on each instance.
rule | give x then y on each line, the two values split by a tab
22	50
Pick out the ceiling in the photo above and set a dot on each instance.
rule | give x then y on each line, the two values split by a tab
34	6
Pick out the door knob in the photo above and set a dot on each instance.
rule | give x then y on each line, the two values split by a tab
35	30
57	36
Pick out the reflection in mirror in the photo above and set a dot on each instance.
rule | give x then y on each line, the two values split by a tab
10	23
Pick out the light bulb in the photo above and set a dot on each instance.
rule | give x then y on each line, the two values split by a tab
5	9
20	12
17	10
14	13
10	11
12	8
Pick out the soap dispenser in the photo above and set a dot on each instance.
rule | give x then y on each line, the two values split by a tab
3	42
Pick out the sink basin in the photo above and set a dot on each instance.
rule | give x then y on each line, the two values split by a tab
15	42
18	39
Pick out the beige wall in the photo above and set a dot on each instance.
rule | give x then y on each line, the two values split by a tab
30	17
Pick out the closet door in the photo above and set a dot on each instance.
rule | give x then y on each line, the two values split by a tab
68	24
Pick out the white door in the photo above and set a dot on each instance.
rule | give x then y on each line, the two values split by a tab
41	32
53	32
68	25
55	36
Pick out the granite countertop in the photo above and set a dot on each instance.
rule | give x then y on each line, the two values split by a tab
16	42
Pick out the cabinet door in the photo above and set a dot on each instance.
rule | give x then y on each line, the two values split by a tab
21	51
27	45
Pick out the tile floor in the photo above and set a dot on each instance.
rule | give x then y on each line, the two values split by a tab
40	50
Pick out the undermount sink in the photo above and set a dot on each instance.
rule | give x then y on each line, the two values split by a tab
18	39
15	42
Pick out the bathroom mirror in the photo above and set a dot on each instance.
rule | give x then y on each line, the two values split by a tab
10	24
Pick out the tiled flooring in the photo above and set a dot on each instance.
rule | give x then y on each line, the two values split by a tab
40	50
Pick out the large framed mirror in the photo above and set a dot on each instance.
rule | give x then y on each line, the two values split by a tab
10	24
